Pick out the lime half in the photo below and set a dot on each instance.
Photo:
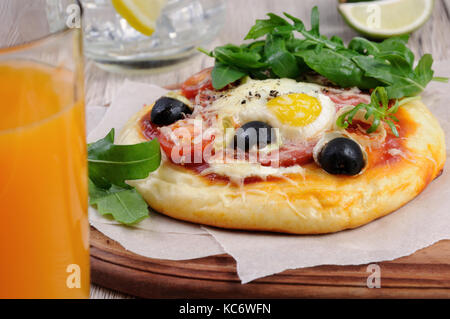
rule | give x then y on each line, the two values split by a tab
140	14
386	18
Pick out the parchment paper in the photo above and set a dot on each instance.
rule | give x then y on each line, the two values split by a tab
420	223
157	236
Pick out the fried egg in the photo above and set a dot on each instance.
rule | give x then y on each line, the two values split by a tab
297	110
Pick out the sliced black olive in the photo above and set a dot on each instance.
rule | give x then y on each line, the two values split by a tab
342	156
168	110
252	133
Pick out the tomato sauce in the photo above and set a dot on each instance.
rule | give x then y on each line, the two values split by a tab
383	155
406	127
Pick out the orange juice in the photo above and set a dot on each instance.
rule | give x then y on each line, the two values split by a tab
44	230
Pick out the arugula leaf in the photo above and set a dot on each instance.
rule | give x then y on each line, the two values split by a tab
337	40
223	74
314	35
338	66
363	46
262	27
397	46
362	63
113	164
377	110
284	65
391	46
257	47
396	72
440	79
423	71
110	166
315	21
282	62
238	57
125	205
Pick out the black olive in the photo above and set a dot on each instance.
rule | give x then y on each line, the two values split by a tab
168	110
252	133
342	156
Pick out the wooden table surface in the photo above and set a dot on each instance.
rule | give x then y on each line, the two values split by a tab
101	86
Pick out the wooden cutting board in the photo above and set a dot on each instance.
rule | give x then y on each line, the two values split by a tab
424	274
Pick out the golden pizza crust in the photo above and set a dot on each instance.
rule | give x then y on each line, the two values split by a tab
313	203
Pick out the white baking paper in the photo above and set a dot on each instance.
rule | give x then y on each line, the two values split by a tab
420	223
157	236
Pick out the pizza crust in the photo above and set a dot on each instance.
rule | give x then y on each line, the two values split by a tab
311	203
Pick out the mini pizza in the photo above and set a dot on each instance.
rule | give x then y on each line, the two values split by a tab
268	155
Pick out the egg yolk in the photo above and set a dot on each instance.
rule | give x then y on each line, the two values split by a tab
296	109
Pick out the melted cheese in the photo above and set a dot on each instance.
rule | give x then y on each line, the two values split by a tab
237	171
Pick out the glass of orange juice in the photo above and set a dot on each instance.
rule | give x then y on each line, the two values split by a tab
44	229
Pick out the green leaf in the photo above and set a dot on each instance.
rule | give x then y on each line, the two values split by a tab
208	53
256	46
392	46
284	65
423	71
338	67
440	79
110	166
337	40
375	67
397	74
315	21
377	111
125	205
263	27
364	63
298	24
396	46
93	174
363	46
238	57
391	63
114	164
297	45
314	35
282	62
284	31
223	74
273	45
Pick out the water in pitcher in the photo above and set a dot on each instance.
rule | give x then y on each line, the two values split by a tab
182	27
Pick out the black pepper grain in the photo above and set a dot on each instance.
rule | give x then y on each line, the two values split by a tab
273	93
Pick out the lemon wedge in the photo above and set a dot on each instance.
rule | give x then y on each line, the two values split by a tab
140	14
386	18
